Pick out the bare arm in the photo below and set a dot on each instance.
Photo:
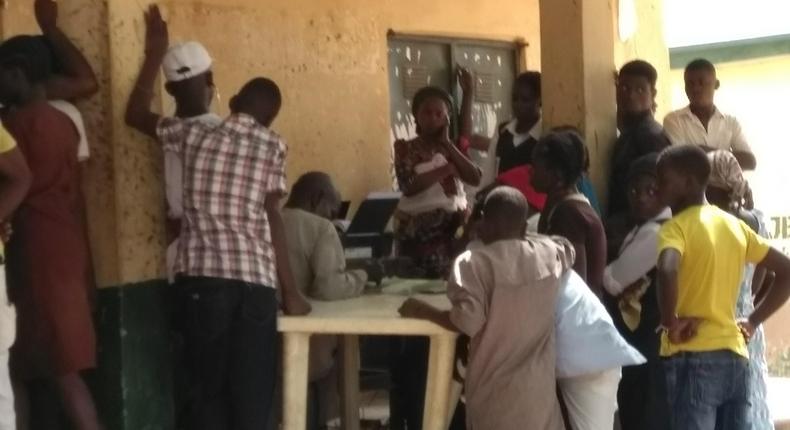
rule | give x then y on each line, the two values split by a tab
467	170
15	181
423	181
417	309
294	302
466	80
761	283
778	293
668	265
138	108
77	79
747	160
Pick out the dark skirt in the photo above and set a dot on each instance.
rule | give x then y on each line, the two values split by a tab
428	238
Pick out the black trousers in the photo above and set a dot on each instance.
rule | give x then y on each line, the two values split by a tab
229	329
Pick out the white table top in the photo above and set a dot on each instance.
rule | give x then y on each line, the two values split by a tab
375	314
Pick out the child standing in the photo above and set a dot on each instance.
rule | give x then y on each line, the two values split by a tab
702	254
629	281
504	295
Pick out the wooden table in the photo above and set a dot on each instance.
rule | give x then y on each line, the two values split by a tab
375	314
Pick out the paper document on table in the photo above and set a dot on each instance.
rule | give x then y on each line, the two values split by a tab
407	287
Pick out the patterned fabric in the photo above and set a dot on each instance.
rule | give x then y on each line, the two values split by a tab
427	238
410	154
228	172
726	174
760	415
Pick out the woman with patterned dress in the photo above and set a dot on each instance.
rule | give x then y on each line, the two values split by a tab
727	189
431	171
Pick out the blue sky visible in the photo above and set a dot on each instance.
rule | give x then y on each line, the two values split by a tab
696	22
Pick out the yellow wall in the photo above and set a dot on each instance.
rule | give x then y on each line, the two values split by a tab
330	59
648	44
756	92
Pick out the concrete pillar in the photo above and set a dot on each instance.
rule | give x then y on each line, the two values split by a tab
577	64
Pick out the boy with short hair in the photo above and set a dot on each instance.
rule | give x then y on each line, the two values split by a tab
701	123
504	295
703	251
640	134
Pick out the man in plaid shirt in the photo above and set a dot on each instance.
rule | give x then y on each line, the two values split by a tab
232	254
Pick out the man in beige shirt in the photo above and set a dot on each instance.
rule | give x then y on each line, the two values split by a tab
503	296
319	268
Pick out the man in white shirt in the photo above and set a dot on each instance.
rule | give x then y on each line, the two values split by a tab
701	123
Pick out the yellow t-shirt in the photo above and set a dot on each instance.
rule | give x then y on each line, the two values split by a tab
7	143
715	246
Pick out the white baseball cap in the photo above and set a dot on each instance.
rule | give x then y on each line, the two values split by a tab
185	61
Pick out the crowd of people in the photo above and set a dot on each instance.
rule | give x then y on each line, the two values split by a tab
647	314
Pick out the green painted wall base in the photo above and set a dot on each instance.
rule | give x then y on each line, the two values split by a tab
133	383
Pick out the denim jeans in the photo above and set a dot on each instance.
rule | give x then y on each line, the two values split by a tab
231	351
708	390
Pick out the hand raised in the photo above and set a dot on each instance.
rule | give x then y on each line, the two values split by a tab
157	39
46	14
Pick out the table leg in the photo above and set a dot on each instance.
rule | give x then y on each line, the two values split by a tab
349	382
296	353
437	388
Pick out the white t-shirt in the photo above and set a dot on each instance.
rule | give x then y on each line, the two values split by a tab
174	189
83	151
724	131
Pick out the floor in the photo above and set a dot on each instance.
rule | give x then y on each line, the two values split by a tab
375	406
779	402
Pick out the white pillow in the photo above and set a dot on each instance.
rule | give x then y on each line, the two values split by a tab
586	340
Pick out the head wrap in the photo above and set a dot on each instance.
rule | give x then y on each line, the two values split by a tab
726	174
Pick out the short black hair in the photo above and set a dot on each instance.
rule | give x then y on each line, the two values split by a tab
688	160
701	64
263	89
576	130
28	53
506	206
565	152
426	93
646	165
530	80
640	68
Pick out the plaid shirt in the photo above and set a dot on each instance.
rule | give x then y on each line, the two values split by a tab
228	171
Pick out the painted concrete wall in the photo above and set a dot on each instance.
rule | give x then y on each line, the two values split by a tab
328	57
756	92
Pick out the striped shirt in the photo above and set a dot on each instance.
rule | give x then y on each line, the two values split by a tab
228	171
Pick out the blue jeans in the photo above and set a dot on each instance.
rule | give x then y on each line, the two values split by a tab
708	390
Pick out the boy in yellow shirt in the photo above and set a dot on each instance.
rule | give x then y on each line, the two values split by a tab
702	254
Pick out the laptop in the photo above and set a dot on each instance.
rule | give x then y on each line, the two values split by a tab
373	214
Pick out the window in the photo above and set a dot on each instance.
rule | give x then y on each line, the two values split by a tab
415	62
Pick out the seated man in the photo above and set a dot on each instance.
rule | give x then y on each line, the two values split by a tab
319	268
